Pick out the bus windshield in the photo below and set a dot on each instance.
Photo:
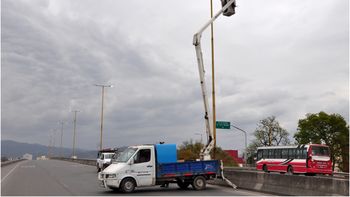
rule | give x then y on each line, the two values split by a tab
320	151
125	155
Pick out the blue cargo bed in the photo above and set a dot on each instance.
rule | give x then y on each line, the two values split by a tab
188	168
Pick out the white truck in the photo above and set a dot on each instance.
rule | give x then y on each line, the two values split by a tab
104	158
150	165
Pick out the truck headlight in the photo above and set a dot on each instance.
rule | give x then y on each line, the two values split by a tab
111	176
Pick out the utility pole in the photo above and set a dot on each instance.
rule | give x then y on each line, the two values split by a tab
61	151
103	92
49	147
53	142
75	123
213	76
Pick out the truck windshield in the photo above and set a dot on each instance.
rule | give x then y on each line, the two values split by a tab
109	156
125	155
320	151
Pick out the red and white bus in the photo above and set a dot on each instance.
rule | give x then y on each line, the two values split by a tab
306	159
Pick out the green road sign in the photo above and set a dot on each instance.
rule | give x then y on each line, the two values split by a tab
223	125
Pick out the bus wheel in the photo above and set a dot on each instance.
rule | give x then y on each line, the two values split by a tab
265	168
290	170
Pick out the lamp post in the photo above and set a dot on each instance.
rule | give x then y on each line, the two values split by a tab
103	91
245	141
75	123
49	147
53	142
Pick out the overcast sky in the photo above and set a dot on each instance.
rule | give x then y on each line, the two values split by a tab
282	58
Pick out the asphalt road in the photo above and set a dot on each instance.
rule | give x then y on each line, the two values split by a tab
62	178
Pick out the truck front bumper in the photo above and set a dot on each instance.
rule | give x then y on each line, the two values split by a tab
108	182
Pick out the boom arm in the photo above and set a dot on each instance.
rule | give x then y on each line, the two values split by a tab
205	152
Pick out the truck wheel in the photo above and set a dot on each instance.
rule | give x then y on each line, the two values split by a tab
199	183
182	185
127	185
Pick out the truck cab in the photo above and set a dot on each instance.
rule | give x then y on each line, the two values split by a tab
150	165
135	164
104	158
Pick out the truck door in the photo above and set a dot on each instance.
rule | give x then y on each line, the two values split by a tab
143	167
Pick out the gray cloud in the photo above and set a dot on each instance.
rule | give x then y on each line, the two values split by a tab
282	58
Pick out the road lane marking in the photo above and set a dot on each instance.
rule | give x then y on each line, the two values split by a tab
31	166
9	172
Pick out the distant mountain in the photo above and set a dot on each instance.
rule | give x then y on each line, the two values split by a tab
12	149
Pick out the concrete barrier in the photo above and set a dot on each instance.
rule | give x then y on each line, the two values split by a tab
299	185
10	162
91	162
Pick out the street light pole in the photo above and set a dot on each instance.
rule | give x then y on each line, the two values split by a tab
61	152
245	140
53	142
103	92
75	123
213	76
49	147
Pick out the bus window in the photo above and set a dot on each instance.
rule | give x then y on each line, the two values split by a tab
278	153
291	154
265	153
298	154
320	151
260	155
304	153
285	153
271	153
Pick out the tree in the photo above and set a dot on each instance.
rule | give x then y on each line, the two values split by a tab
331	130
268	133
190	151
